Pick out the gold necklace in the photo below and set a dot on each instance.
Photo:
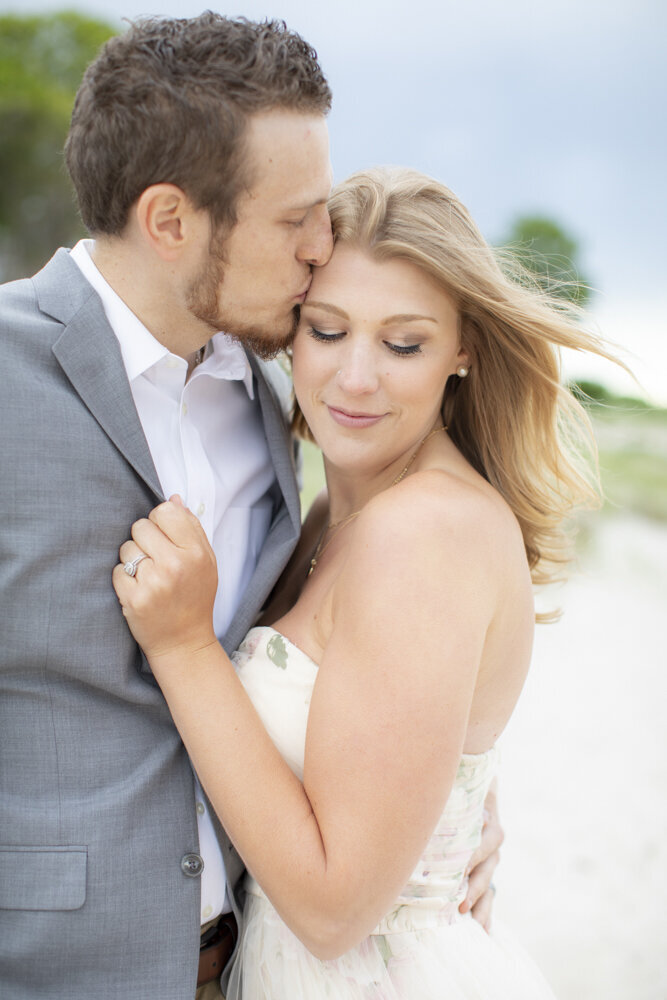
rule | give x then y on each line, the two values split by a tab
335	526
436	430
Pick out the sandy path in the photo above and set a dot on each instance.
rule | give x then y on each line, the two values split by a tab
583	790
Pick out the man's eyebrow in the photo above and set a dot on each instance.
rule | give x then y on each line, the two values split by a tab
329	308
305	207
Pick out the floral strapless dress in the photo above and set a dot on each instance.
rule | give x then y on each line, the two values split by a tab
424	949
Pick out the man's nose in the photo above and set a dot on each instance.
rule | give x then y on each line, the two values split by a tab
317	245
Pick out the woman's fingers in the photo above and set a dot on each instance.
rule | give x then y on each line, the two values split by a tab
130	553
484	862
169	524
168	601
177	522
480	882
481	911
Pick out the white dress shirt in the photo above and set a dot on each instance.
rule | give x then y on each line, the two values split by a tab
208	445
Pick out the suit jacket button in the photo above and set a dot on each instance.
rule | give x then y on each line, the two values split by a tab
192	865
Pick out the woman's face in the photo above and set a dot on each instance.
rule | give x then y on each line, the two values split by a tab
375	345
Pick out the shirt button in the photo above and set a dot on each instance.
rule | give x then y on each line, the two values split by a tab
201	809
200	509
184	409
207	911
192	865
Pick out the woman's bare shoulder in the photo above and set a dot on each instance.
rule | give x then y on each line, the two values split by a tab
435	507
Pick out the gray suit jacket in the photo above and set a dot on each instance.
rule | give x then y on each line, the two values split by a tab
96	791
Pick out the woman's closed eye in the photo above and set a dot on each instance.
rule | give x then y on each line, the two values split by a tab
325	338
404	350
331	337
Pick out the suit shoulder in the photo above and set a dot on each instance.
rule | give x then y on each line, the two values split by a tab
23	325
18	297
34	311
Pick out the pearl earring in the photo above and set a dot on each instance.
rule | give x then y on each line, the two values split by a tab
462	371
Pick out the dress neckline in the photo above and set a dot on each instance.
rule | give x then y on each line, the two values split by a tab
274	631
471	758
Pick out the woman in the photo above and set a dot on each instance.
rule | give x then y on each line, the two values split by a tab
430	381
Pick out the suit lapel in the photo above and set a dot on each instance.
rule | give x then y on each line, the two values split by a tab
89	354
286	525
278	433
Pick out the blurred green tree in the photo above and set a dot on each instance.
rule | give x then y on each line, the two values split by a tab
42	60
550	255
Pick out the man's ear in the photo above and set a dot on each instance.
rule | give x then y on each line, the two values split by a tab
167	219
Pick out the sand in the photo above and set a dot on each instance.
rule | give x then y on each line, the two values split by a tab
583	879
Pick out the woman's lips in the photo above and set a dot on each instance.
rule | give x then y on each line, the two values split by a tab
347	419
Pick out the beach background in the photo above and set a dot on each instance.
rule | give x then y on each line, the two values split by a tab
555	109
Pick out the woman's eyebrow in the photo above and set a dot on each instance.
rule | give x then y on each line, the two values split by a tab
328	307
406	318
397	318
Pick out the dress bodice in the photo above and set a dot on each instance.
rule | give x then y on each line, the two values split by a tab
279	679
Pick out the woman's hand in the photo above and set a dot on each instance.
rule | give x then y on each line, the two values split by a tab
168	604
484	862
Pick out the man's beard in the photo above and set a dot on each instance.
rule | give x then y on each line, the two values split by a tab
203	302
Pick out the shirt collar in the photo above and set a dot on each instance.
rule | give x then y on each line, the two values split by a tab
225	358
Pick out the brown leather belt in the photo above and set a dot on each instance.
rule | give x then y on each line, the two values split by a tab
215	950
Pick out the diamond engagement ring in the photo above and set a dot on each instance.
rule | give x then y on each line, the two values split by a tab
131	566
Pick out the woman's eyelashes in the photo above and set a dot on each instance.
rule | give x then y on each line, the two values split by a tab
404	350
401	350
325	337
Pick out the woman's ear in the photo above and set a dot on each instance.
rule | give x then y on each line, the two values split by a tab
462	363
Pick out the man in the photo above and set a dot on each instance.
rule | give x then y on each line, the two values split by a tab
199	153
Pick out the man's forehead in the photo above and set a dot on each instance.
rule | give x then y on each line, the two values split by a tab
273	124
297	202
288	158
292	197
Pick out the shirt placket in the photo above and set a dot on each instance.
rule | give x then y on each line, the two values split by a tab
200	484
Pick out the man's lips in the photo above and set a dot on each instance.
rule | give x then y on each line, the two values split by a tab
302	295
347	418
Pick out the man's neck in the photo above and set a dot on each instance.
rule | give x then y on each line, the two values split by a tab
153	296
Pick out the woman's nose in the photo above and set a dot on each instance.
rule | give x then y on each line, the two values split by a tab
357	374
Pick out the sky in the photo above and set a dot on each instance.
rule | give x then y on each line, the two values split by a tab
521	107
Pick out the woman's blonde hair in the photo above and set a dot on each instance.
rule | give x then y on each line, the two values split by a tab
510	417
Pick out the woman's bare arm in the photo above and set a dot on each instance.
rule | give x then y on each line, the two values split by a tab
387	720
